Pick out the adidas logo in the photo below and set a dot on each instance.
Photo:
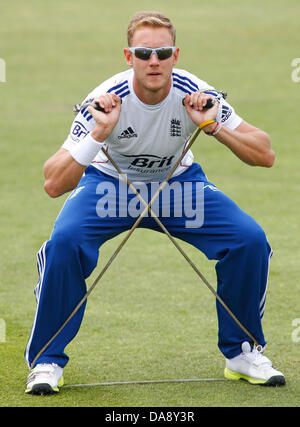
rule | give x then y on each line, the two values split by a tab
226	112
128	133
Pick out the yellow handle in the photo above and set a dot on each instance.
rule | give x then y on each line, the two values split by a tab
207	122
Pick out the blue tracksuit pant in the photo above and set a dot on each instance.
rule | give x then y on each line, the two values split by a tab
97	211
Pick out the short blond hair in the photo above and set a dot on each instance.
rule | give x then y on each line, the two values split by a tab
151	19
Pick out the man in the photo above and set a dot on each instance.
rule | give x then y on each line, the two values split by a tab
150	111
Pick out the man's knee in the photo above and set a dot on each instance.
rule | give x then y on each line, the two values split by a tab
64	242
252	235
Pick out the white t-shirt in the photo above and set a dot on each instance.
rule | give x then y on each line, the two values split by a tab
148	139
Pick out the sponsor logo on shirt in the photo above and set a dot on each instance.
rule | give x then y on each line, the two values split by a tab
147	161
128	133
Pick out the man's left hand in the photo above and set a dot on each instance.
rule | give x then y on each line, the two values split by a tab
195	107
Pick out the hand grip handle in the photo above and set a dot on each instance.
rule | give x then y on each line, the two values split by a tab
209	104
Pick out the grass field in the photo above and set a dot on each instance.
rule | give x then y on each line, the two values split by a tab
150	317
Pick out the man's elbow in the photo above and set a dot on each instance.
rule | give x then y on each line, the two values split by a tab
269	159
269	155
52	189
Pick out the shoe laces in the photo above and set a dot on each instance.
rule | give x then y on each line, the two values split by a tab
255	355
42	368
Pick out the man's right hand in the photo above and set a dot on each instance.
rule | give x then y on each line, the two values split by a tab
107	120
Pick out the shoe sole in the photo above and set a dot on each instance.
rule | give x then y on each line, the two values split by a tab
44	389
276	381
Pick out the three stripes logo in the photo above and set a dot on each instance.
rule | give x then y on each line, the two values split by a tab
226	112
128	133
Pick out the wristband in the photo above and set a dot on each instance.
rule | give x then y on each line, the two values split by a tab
215	130
207	122
86	150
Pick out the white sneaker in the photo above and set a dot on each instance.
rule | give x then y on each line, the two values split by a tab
45	378
251	365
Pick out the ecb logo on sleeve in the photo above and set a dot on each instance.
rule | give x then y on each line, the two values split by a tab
2	71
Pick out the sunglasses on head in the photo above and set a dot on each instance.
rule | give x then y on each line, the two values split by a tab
146	52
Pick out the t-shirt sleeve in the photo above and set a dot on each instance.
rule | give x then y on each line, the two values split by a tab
226	113
227	116
84	122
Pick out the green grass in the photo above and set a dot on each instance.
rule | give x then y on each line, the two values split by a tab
150	317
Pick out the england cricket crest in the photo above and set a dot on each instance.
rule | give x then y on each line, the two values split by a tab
175	127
